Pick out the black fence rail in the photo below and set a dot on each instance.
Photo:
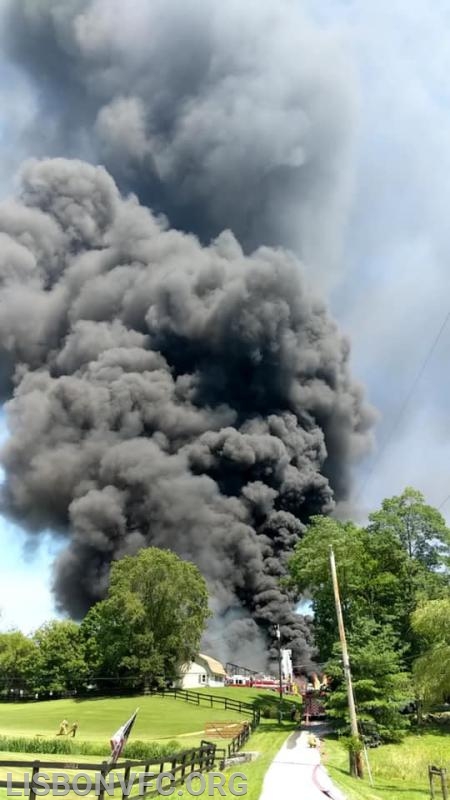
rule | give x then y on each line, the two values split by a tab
214	701
441	774
104	778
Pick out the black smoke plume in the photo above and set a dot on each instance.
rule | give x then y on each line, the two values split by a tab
220	115
167	392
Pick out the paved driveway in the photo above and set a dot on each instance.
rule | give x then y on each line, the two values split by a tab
296	773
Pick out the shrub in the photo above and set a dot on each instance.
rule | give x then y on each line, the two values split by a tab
153	751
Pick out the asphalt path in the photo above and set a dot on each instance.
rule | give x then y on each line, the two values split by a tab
296	773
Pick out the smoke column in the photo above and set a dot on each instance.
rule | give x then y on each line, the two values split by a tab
220	115
185	391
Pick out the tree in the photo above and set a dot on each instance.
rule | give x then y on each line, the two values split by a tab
431	623
380	682
309	571
384	569
418	527
18	658
407	522
150	623
60	665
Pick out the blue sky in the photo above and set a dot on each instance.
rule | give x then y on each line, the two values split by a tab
393	290
25	599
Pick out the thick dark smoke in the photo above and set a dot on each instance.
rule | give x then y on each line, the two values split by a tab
220	115
192	396
166	393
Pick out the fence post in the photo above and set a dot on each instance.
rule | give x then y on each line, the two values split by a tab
35	770
430	778
444	784
174	774
103	771
126	776
183	767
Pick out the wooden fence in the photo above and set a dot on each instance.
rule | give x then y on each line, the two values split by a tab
173	770
214	701
441	774
170	771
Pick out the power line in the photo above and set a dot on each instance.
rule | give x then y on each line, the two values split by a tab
444	502
403	408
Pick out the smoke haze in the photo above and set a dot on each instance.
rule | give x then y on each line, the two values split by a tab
232	115
182	391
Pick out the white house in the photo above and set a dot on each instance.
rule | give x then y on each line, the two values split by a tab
204	671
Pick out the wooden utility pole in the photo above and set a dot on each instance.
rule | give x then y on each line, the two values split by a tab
356	766
280	676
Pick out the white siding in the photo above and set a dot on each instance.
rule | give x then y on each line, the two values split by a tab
195	675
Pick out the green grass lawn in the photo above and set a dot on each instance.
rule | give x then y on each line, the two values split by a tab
400	772
159	718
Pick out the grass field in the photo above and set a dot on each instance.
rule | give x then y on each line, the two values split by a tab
160	719
400	772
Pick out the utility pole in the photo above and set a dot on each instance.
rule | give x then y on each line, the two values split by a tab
280	688
356	767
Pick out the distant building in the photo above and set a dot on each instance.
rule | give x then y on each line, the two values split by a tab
203	671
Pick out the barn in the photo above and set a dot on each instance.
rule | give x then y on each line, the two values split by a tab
203	671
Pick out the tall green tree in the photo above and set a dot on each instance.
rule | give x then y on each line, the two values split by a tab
60	663
310	575
384	569
150	623
408	524
18	659
431	623
380	681
418	527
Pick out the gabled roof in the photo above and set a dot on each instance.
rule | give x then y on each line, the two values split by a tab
214	665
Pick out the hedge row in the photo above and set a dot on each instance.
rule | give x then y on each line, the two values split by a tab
59	746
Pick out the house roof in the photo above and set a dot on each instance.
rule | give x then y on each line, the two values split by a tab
214	665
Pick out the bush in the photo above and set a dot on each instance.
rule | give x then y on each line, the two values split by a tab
153	751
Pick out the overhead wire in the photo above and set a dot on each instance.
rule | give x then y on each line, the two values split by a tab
402	410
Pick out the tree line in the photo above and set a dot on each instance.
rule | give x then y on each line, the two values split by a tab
395	590
150	624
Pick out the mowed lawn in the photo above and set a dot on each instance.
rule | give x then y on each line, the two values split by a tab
159	718
400	772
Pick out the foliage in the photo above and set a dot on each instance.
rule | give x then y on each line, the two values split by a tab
151	621
18	657
60	663
384	570
419	528
380	682
431	623
310	573
400	771
63	746
408	524
399	560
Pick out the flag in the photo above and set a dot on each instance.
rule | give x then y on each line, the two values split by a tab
120	738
